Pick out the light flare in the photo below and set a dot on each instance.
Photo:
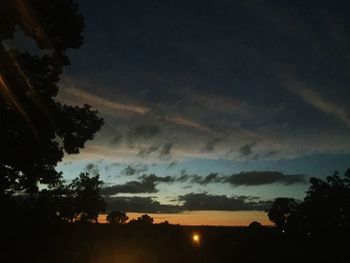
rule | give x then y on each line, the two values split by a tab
31	22
36	99
13	100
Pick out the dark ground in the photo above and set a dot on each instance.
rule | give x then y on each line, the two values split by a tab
93	243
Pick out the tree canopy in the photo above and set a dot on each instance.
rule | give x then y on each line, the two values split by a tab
35	129
280	211
117	217
78	201
326	208
143	220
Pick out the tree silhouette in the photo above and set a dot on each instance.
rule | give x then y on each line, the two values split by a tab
35	129
143	220
255	225
78	201
87	200
117	217
324	210
280	211
327	204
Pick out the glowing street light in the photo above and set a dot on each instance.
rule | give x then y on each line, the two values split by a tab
196	238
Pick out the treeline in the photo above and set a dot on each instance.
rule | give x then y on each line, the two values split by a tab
78	201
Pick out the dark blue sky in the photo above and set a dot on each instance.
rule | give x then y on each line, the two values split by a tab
189	88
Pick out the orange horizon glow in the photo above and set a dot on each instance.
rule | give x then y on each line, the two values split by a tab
209	218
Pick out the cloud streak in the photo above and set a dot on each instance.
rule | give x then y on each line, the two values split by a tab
253	178
147	184
192	202
317	101
204	201
139	204
99	102
262	178
189	123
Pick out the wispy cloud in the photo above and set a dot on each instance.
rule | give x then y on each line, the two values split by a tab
100	102
189	123
246	149
315	99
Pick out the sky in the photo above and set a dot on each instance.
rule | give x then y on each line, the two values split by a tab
217	106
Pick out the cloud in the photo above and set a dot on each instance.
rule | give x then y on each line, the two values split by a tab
69	92
252	178
172	164
145	151
316	100
139	204
117	139
264	177
147	184
110	166
145	131
210	178
197	179
153	178
92	168
131	187
210	145
134	169
183	176
129	170
204	201
271	153
165	151
246	149
189	123
192	201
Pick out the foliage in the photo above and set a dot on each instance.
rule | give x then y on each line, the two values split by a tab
280	211
86	197
327	203
117	217
35	129
143	220
79	201
325	209
255	225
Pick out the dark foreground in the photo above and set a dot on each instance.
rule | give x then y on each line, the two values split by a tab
163	243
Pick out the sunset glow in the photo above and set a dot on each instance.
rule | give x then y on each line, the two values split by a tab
210	218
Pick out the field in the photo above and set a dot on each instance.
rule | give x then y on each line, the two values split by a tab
94	243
